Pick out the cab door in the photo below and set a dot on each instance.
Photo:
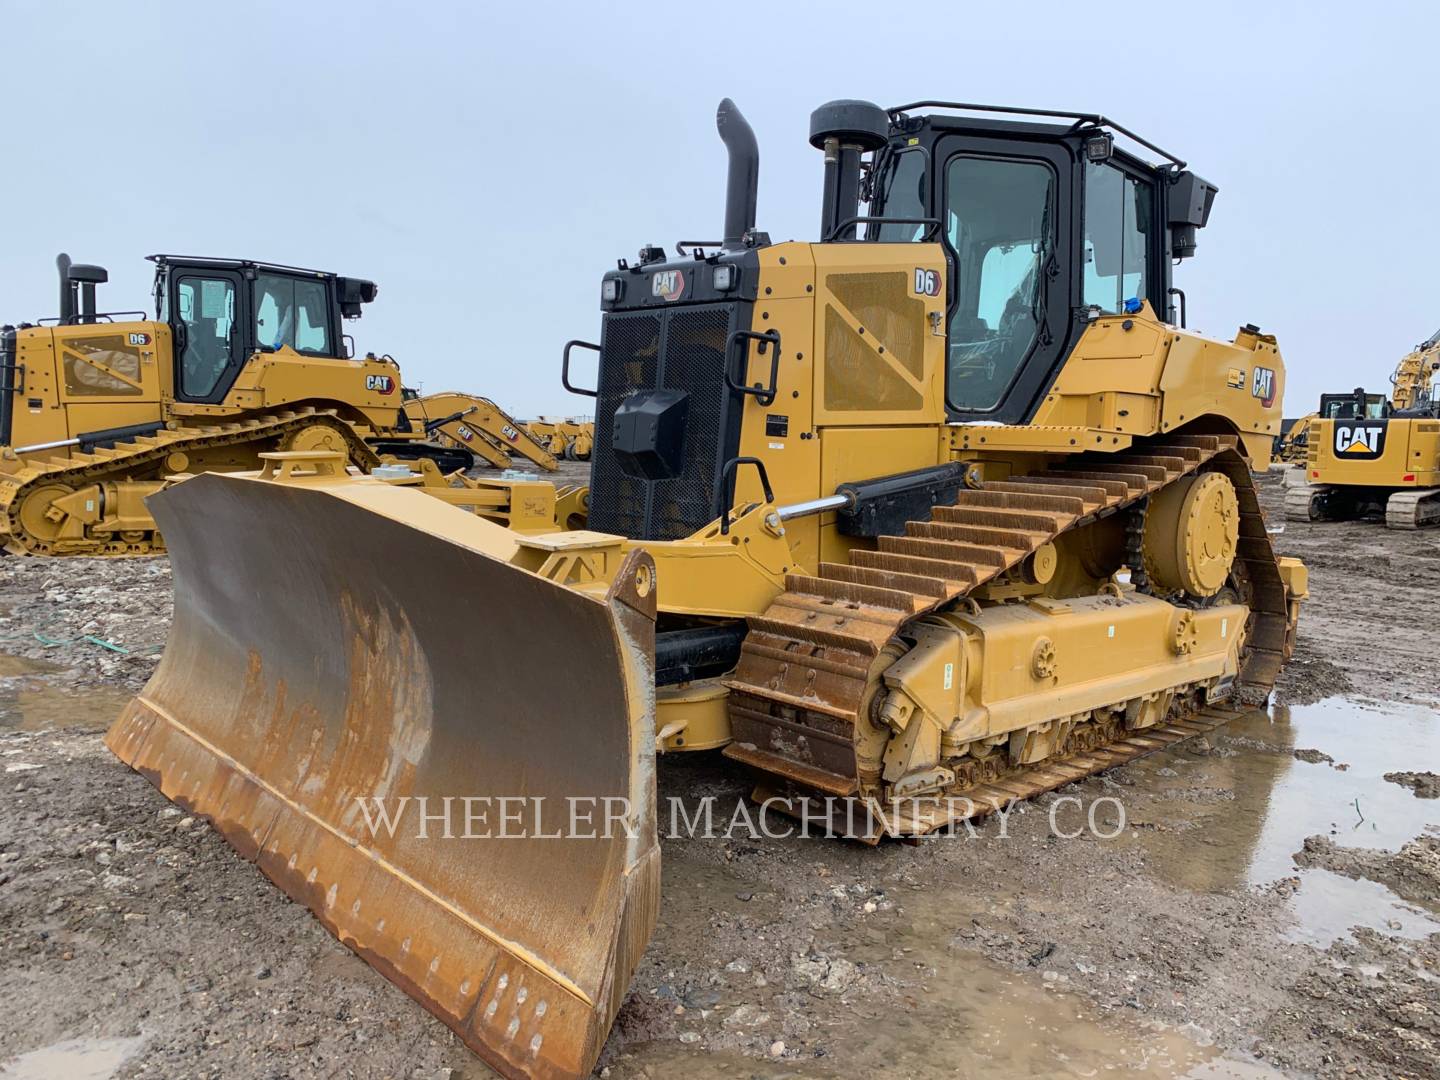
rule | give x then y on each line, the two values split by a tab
207	314
1006	208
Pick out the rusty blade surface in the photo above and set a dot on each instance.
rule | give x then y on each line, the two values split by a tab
324	652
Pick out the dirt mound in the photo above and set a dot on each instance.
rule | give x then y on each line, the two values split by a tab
1412	873
1426	785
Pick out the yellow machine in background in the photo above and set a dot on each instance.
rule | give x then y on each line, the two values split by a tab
938	512
480	427
1293	441
1368	456
96	409
570	438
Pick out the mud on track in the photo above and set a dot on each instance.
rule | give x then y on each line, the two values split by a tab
1191	944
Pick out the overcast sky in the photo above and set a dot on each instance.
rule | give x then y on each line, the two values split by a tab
485	164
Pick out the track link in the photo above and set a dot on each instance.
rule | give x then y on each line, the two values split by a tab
144	458
915	817
811	659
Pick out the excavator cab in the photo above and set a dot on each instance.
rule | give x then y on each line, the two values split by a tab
223	311
1356	405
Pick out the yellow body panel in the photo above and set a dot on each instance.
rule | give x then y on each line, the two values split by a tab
1153	378
1340	454
92	377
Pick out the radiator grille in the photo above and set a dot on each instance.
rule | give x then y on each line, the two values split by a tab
678	349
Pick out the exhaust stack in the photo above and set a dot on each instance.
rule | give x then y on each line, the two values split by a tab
67	290
742	183
77	289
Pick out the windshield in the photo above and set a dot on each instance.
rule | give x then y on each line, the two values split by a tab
291	311
903	196
998	216
1354	407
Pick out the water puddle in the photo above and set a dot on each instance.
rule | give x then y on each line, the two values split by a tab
28	702
12	667
1223	821
960	1014
73	1059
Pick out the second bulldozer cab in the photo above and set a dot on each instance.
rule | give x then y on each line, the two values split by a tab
230	337
223	311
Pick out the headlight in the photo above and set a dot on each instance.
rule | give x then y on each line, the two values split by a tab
724	277
610	290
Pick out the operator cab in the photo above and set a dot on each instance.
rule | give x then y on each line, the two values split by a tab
223	311
1045	227
1356	405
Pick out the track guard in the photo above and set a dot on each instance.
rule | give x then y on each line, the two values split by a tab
323	651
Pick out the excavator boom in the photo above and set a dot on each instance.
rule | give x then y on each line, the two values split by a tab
480	425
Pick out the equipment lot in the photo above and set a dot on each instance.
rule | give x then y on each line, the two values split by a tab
1192	944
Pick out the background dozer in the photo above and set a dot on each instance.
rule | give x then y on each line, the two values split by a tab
242	357
1367	455
938	512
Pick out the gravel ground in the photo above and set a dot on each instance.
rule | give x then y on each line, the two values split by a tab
1238	925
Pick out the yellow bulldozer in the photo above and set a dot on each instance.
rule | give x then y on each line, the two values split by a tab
940	511
97	408
1369	456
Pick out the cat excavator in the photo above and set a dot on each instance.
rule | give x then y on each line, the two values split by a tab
1369	456
940	511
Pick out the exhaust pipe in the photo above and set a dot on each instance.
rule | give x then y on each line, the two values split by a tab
67	289
742	183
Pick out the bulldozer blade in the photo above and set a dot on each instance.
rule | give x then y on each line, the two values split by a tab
323	660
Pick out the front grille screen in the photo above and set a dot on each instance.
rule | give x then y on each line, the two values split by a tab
678	349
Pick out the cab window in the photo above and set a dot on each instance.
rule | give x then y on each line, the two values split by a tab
207	310
1118	215
291	311
904	196
1000	218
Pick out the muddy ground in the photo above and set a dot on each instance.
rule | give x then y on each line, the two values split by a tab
1268	906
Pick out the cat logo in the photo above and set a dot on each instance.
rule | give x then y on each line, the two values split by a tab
668	284
510	433
380	384
1262	386
1359	441
465	433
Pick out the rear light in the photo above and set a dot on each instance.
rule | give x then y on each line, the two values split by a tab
1315	474
1409	478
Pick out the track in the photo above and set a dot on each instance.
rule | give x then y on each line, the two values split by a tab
811	662
1412	508
145	458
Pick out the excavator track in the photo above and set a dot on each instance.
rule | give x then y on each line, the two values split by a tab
145	457
1413	509
811	661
